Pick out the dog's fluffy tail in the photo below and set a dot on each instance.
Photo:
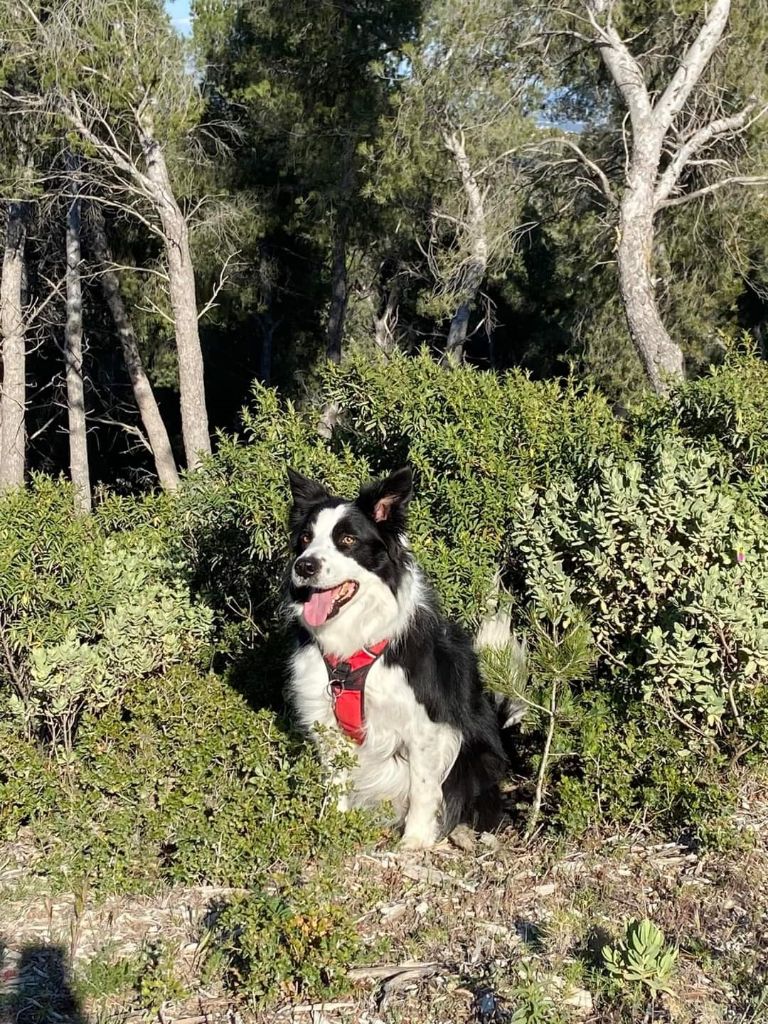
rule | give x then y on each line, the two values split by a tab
508	710
505	665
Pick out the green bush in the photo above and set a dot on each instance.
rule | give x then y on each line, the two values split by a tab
653	527
672	571
83	612
473	438
182	782
725	413
649	534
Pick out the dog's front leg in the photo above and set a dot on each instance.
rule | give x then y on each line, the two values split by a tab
425	799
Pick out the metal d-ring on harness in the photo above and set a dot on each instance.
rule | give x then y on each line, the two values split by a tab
346	686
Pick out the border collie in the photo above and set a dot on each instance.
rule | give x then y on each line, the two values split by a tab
377	663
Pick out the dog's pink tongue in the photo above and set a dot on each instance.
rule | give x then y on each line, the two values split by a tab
319	606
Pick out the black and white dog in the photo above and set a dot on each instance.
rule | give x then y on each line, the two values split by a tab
376	661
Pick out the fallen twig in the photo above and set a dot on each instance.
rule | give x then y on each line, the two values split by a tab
311	1008
377	971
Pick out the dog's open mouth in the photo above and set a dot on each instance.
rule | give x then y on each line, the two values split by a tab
324	604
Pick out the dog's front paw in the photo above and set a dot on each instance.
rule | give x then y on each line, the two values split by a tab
418	839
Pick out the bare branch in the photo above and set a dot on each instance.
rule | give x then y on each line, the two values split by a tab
697	141
736	179
152	307
127	209
129	428
71	107
604	184
223	277
692	65
111	268
34	312
41	430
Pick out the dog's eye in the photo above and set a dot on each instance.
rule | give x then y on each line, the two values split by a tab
304	539
347	540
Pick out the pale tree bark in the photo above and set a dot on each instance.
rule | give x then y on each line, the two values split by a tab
152	184
73	355
384	323
12	332
474	268
152	421
183	297
648	187
125	151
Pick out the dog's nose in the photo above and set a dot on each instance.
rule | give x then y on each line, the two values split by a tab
306	567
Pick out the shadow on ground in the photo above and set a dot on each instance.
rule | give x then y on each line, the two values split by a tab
38	988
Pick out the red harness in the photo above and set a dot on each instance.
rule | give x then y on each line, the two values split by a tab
346	680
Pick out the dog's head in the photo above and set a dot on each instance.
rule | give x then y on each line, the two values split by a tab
348	557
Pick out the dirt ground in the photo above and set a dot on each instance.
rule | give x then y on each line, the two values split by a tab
453	935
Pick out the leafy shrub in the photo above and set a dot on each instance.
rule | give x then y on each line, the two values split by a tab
725	412
83	612
180	782
653	527
673	573
288	943
474	439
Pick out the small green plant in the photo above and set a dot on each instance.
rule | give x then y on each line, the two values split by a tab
156	979
107	975
289	943
530	1000
562	654
642	958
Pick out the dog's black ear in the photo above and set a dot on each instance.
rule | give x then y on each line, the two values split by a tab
386	501
306	493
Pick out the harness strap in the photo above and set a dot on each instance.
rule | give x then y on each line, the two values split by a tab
346	679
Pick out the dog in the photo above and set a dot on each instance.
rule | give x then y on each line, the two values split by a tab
376	663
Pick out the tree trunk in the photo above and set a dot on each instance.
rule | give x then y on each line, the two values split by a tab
12	330
181	287
267	325
457	335
662	359
474	269
651	119
154	427
73	354
385	322
339	295
339	290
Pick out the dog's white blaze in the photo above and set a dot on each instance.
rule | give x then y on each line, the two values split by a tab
333	563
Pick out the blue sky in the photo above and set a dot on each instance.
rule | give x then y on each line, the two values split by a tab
179	12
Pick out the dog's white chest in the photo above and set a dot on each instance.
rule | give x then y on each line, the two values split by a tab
390	707
397	731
